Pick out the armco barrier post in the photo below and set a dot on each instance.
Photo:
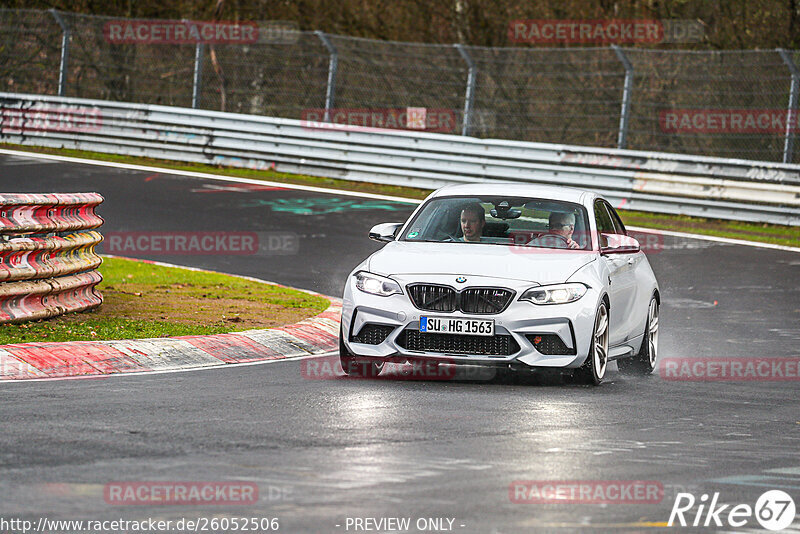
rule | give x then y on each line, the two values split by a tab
198	73
627	90
62	68
791	112
470	94
333	64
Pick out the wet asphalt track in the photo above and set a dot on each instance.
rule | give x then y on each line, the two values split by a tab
325	450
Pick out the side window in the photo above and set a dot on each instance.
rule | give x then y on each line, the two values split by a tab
619	227
603	219
604	222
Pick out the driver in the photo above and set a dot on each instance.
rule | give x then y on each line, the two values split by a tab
562	224
473	219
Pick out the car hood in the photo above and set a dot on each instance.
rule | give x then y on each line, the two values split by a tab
544	266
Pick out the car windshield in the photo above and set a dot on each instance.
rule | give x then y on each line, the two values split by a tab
492	220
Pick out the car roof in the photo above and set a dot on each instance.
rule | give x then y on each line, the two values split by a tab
516	189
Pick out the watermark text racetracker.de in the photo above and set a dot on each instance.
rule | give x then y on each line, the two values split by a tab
50	119
46	525
538	242
730	369
180	493
586	492
201	243
178	32
368	119
330	368
604	31
727	121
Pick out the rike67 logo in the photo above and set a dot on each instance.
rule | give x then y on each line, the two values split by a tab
774	510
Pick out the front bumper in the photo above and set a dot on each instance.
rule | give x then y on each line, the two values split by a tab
522	321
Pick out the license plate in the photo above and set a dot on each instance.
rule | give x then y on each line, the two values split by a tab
455	325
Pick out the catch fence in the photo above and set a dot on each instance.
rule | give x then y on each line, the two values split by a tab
732	103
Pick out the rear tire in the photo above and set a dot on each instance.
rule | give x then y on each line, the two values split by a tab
593	369
645	362
355	366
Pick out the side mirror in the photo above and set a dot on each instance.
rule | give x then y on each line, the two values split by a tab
384	232
618	244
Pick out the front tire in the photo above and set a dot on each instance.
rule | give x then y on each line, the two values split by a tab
644	363
357	367
593	370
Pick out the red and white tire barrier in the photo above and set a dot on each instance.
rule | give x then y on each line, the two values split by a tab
40	299
43	275
25	258
316	335
28	213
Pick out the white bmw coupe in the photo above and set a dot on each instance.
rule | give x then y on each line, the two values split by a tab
508	275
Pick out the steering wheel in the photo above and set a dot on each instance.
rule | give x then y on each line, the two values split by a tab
449	237
548	234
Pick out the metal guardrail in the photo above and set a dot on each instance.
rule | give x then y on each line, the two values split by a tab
647	181
47	258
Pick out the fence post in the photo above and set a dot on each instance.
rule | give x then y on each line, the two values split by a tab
197	80
62	68
470	94
791	112
333	65
625	112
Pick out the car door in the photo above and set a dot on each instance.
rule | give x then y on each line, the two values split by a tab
632	274
621	279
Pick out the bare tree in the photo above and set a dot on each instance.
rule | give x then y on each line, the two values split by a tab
223	82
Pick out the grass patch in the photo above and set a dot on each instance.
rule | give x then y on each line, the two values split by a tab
142	300
765	233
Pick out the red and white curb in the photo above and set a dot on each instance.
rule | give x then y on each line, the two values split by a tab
314	336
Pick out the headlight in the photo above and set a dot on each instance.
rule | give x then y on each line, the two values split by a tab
555	294
377	285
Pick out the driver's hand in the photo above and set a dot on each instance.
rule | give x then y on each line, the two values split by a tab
572	244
